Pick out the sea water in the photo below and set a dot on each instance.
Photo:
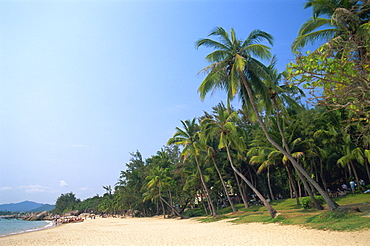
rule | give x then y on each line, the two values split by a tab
15	226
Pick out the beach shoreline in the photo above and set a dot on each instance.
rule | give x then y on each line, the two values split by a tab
50	224
159	231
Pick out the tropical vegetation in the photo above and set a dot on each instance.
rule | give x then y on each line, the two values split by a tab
270	146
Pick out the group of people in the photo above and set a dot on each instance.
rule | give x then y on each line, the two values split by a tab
352	187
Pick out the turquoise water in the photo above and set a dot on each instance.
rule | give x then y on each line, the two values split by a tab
14	226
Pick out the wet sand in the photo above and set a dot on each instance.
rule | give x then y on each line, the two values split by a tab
159	231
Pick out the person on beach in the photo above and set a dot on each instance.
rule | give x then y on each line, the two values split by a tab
362	183
353	185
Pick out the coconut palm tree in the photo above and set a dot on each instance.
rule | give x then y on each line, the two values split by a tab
280	96
208	143
224	126
332	20
157	180
235	69
187	137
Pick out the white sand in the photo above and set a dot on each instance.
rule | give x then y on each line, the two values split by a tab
159	231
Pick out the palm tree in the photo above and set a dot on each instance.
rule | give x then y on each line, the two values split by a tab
235	69
108	188
332	20
279	97
208	142
157	180
349	154
224	126
187	137
266	156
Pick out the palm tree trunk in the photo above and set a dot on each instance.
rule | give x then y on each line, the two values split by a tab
332	205
213	210
271	210
244	187
173	210
204	205
160	199
171	202
306	186
355	172
299	190
292	183
323	180
269	184
241	191
367	170
224	186
310	193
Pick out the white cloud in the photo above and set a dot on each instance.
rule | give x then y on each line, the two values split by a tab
78	146
34	188
5	188
178	108
84	189
63	183
66	145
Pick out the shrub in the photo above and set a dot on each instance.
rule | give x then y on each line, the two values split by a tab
307	203
195	212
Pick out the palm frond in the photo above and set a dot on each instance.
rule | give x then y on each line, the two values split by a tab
258	36
314	23
259	51
217	56
312	37
210	44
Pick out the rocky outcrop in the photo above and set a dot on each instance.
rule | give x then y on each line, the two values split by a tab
37	216
71	213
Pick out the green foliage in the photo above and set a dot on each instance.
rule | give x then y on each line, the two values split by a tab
317	137
66	202
307	203
195	212
89	204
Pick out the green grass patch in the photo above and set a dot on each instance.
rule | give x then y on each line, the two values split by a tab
213	219
346	218
339	220
351	199
195	212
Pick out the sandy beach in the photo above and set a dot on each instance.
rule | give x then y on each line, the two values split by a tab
159	231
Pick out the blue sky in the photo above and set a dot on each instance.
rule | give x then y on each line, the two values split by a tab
84	83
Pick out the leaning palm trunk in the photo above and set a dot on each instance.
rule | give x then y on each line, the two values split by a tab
242	194
224	186
271	210
210	203
332	205
292	184
309	191
174	211
306	186
160	199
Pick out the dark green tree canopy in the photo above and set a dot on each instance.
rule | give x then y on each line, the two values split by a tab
66	202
